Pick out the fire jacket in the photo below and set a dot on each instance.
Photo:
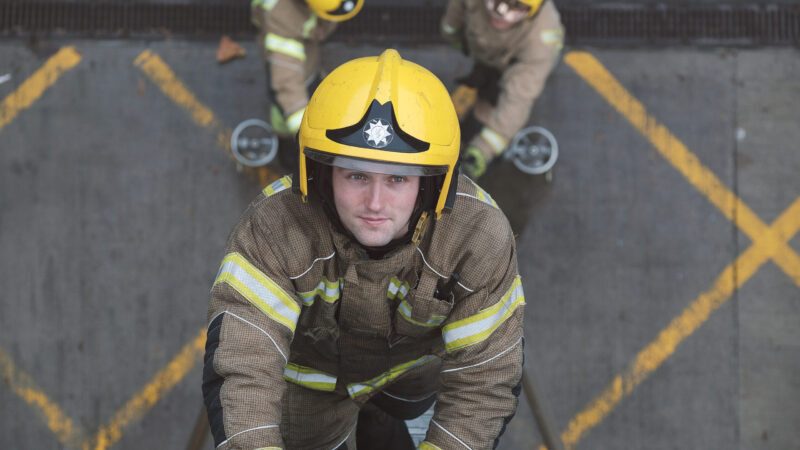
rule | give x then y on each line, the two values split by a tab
525	54
290	34
297	302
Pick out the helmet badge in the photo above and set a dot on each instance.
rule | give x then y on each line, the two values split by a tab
378	134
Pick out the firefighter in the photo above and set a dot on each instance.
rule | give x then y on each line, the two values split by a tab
374	279
515	45
290	35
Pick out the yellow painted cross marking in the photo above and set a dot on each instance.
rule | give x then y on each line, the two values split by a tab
161	383
21	384
69	434
769	243
33	88
162	76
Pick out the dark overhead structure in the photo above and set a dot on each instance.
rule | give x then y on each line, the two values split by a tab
587	24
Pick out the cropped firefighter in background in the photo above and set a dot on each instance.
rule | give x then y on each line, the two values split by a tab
372	284
290	36
515	45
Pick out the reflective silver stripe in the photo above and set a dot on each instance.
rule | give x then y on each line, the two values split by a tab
448	28
474	329
258	289
405	311
309	25
356	389
495	140
310	378
293	121
328	291
278	185
287	46
397	289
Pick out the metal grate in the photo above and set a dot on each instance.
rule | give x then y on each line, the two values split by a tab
618	24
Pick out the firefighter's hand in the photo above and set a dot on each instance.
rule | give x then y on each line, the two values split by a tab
473	162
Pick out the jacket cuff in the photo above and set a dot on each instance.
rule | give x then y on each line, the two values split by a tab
439	437
263	437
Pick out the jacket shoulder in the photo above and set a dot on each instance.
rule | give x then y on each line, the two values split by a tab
473	238
278	222
287	18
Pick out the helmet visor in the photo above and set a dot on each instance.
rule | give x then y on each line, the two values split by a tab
373	166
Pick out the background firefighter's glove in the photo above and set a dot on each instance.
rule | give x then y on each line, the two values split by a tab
473	162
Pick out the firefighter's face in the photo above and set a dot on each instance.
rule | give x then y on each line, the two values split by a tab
505	14
374	207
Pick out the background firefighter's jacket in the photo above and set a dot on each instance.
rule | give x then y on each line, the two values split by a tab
297	302
524	54
290	36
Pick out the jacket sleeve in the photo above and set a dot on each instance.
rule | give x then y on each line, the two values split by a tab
288	54
523	81
482	367
252	316
453	24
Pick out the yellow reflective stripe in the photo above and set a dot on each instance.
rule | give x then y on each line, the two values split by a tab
495	140
294	120
278	185
405	311
258	289
266	4
397	289
356	389
309	25
310	378
287	46
425	445
483	195
327	290
474	329
553	36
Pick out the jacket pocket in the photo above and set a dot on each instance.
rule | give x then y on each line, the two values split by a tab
420	313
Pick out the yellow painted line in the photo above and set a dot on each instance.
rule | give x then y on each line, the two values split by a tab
162	76
652	356
20	383
161	383
768	243
33	87
775	240
671	148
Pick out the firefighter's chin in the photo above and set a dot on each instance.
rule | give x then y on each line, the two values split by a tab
501	24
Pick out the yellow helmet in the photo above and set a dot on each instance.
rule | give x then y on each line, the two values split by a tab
534	5
387	115
336	10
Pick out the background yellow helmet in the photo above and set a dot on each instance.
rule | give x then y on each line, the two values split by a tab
383	114
534	4
335	10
